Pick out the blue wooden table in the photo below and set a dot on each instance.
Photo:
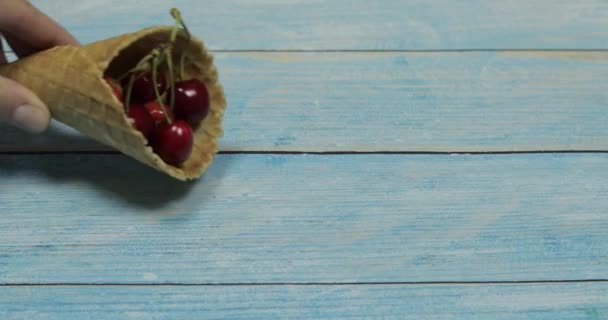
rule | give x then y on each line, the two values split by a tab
382	159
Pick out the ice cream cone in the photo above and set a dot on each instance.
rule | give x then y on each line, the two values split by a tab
69	79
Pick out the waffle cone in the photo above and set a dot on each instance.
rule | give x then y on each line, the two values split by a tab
69	79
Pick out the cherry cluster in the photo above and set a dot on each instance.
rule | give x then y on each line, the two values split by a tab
161	103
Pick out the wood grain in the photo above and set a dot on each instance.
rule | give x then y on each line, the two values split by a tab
304	218
388	236
509	101
471	302
352	24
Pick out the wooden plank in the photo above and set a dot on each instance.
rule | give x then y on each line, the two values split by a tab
517	101
471	302
305	218
352	24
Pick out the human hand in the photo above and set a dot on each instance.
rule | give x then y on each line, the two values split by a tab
27	30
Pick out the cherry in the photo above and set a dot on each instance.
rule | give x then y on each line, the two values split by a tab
156	111
173	142
191	101
141	119
116	88
143	87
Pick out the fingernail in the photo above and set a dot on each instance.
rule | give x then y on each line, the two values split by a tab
30	118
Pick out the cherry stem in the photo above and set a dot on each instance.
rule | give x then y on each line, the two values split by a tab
160	101
142	64
173	36
155	58
179	22
129	90
171	80
182	61
178	17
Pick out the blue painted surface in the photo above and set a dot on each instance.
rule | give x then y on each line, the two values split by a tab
587	301
375	102
341	220
305	218
352	24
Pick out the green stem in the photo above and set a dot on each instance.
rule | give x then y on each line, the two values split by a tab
178	17
182	61
160	101
171	80
124	75
142	64
179	21
129	90
173	36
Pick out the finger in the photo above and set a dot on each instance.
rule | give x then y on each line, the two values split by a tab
35	30
22	108
20	48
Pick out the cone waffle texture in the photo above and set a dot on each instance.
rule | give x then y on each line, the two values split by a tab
69	79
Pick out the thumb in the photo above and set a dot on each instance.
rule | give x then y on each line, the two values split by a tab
22	108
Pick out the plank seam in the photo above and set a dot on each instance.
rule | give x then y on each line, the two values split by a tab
479	50
279	152
177	284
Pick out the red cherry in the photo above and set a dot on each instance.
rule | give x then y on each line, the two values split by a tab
173	142
116	88
191	101
156	111
143	87
141	120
